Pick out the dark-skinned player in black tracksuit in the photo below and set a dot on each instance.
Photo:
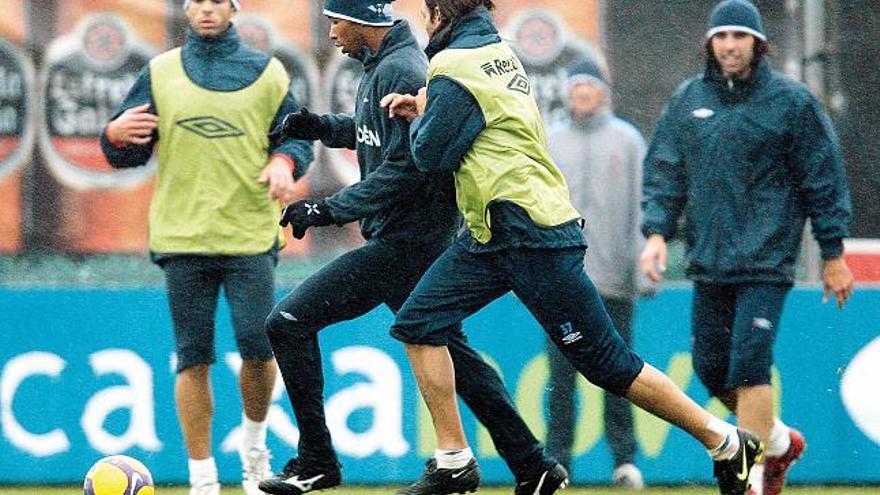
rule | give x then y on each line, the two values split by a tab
408	218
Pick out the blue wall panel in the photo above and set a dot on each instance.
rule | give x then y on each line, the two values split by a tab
89	372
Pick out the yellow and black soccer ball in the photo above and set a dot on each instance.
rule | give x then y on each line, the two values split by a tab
118	475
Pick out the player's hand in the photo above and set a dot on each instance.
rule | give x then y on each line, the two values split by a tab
303	125
133	126
406	106
654	257
279	177
304	214
421	101
837	278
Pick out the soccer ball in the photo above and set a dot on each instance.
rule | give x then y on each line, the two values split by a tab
118	475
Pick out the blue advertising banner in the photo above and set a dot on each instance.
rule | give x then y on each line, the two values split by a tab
86	373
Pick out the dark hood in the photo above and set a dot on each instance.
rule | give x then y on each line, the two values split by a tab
398	37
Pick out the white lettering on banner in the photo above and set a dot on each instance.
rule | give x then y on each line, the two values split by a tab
8	120
136	396
83	103
16	371
383	393
368	137
11	84
11	88
858	390
277	420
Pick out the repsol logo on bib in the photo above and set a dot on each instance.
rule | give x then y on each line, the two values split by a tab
368	136
500	67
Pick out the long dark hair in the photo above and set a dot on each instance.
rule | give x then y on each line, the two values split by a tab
452	10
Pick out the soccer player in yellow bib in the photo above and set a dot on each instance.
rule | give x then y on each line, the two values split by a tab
207	107
523	235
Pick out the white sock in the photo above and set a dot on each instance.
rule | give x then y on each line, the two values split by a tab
253	433
452	459
756	478
779	441
729	447
202	471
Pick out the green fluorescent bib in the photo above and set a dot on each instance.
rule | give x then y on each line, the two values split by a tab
212	147
509	159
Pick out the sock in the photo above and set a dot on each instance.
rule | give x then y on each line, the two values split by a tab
779	441
756	478
729	447
253	433
453	459
202	471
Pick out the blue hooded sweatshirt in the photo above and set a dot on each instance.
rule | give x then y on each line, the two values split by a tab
394	201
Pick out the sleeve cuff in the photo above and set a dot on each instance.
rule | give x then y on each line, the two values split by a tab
289	160
116	144
335	211
415	124
649	230
831	248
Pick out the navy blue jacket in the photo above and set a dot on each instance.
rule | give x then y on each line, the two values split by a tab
393	200
218	64
747	161
436	147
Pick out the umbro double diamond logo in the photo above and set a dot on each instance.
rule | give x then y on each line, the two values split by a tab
210	127
520	83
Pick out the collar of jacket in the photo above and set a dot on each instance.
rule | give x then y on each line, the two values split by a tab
397	37
735	87
217	46
477	23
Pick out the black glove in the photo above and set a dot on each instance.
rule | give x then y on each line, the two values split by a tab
303	125
304	214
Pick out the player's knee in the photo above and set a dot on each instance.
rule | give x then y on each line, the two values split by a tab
748	375
601	357
711	374
616	380
194	363
254	347
283	324
411	335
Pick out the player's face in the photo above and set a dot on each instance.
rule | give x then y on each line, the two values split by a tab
210	17
430	19
346	35
734	50
585	98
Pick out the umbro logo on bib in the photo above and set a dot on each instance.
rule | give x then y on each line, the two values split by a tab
520	83
210	127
